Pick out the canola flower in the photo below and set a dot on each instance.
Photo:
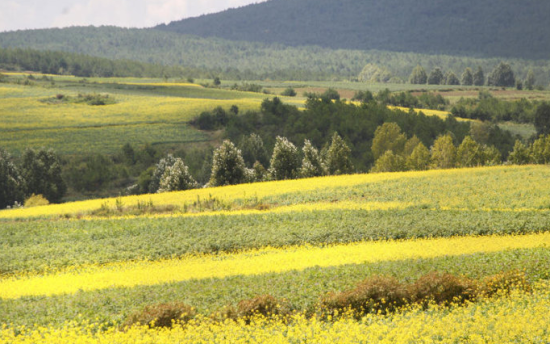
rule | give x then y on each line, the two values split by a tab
504	188
519	318
255	262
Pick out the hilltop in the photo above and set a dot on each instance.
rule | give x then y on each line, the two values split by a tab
489	28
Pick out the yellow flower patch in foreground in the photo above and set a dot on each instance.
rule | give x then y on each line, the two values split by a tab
267	260
520	318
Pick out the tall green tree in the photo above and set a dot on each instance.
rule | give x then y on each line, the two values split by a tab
11	182
390	162
467	77
418	75
436	77
388	136
160	169
542	119
41	171
479	77
530	80
502	76
419	159
228	166
284	161
177	178
444	152
469	153
451	79
520	154
312	164
338	157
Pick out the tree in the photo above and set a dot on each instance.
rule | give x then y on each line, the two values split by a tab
338	157
160	169
289	92
312	165
284	161
479	77
469	153
491	156
331	94
444	152
419	159
389	162
451	79
520	154
530	80
502	76
253	149
128	154
11	182
388	136
410	145
467	78
228	166
418	75
41	171
177	178
542	119
540	150
436	77
217	81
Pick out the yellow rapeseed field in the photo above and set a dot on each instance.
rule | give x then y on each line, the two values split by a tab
520	318
262	261
504	188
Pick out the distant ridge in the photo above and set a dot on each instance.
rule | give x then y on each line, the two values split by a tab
479	28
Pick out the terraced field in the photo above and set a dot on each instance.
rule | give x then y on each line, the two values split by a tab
76	271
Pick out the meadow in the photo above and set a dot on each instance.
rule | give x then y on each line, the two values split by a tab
72	274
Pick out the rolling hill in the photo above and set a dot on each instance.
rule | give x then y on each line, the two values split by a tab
489	28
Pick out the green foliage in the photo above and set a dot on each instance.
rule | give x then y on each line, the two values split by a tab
388	137
520	154
436	77
284	161
228	166
312	164
177	178
11	183
253	150
469	153
502	75
41	171
479	77
444	152
89	174
418	75
331	94
542	119
363	96
160	169
419	159
374	73
467	77
390	162
338	157
451	79
540	150
289	92
530	80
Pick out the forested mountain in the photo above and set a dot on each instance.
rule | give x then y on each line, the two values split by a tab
488	28
208	57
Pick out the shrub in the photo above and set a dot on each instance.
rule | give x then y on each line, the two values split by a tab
373	295
289	92
442	288
503	283
265	305
36	201
162	315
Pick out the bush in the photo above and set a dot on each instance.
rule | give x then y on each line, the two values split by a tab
289	92
263	305
161	315
503	283
442	288
373	295
36	201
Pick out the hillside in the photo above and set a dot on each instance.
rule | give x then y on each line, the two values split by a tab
509	28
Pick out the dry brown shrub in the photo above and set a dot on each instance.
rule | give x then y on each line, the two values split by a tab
161	315
265	305
377	294
442	288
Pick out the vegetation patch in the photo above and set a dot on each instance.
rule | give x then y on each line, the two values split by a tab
89	99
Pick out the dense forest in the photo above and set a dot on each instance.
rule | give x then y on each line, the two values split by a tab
209	57
489	28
